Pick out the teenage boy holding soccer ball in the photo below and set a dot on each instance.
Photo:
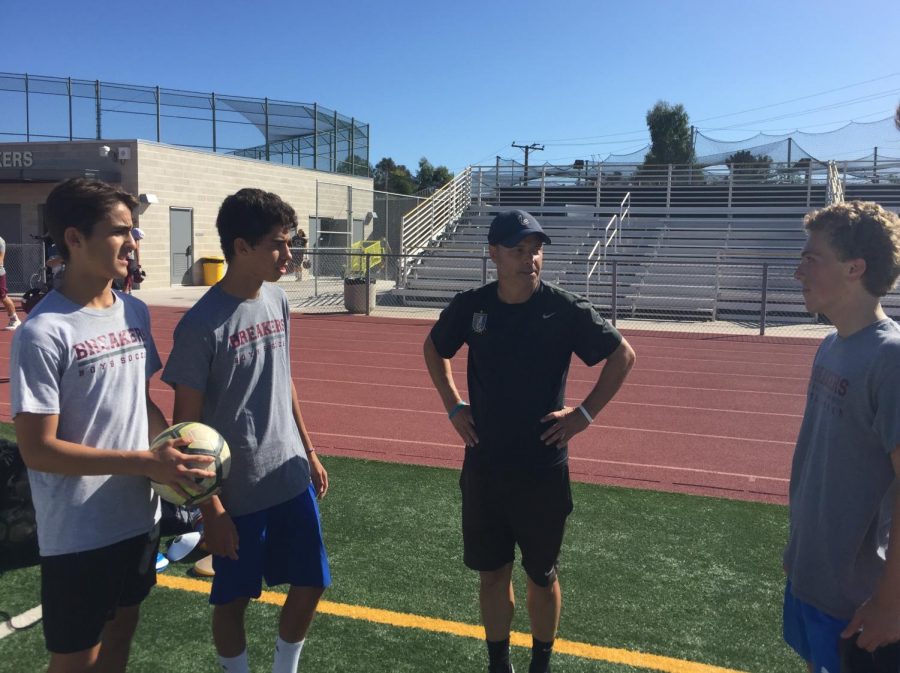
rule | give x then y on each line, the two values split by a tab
79	371
521	334
843	579
231	369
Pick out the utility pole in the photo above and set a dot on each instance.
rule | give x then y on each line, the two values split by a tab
528	148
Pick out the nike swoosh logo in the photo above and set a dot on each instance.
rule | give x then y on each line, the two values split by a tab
548	315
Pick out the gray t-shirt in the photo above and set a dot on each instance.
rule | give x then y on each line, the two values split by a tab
237	353
90	367
842	480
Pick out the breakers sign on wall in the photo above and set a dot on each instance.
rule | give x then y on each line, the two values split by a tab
15	160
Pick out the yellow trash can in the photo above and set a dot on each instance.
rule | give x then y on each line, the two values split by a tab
213	269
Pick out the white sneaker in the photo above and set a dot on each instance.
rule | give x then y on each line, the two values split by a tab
14	322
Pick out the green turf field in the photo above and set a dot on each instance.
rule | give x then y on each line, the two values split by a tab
7	431
684	577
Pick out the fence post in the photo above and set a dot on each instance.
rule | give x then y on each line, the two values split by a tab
587	280
543	186
668	191
765	292
614	304
715	315
483	268
730	188
350	213
368	280
599	176
809	184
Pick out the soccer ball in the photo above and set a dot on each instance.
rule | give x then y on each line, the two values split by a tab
204	442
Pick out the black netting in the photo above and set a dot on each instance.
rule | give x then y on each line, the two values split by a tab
850	142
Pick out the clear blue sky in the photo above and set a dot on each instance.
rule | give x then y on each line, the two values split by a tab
459	81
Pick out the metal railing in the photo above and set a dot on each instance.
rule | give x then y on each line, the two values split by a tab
432	217
732	296
611	235
776	187
835	192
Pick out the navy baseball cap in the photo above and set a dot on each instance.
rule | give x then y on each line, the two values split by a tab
511	226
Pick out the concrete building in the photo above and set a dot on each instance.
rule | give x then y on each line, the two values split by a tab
180	191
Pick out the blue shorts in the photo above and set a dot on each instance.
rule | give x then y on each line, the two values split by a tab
282	543
814	635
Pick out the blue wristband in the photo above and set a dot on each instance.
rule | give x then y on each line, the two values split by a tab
455	410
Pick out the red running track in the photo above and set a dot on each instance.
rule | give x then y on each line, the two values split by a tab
706	414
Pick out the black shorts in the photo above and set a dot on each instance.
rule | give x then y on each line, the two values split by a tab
501	509
81	591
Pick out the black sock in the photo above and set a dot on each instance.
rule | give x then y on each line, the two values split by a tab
498	655
540	656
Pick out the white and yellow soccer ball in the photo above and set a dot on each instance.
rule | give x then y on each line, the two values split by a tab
204	441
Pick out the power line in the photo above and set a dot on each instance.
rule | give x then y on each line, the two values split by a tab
794	100
622	134
823	108
528	148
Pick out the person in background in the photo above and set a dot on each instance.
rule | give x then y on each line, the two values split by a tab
57	266
298	250
14	321
134	262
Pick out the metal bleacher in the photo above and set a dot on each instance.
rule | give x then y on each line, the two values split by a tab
685	252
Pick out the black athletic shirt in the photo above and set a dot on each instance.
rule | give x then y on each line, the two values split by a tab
518	360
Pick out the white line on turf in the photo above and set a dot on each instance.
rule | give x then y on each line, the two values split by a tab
19	622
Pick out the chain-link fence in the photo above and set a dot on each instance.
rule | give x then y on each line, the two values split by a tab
24	264
664	295
38	108
345	215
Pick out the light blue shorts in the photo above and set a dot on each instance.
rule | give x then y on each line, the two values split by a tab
282	543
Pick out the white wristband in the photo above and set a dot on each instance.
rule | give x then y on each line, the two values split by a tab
590	419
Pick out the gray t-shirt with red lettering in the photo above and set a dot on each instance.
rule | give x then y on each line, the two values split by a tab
842	481
237	353
90	367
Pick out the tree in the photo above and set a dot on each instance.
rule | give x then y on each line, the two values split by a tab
425	176
430	177
442	176
357	165
748	167
390	177
382	170
396	178
670	135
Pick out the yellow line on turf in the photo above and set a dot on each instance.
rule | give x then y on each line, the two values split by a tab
404	620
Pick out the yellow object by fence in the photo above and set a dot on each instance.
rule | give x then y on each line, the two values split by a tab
359	250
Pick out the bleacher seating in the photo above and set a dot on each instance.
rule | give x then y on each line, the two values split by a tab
691	259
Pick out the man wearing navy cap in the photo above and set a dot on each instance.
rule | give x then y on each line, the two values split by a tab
521	334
